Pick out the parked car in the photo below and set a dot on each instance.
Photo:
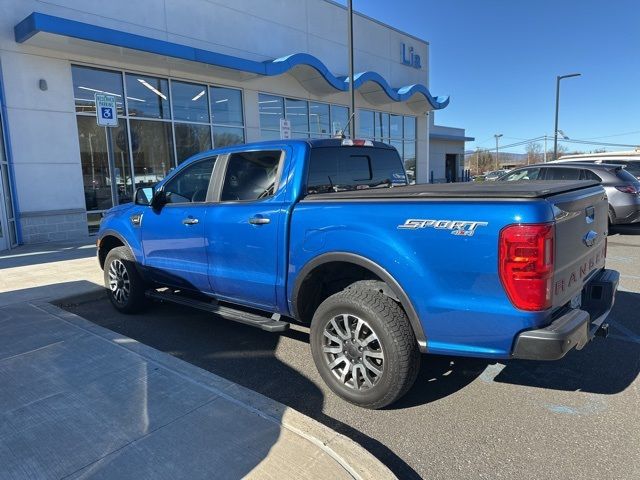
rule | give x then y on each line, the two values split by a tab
494	175
631	162
325	233
623	189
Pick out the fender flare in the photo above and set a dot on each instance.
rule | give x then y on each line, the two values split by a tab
112	233
373	267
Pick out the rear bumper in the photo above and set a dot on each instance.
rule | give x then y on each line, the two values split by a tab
575	328
629	213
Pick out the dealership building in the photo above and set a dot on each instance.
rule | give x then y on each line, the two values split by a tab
187	76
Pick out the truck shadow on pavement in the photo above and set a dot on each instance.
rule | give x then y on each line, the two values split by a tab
604	366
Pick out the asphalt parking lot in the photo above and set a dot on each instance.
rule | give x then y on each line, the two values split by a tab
464	418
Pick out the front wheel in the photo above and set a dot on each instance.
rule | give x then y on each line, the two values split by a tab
364	347
126	286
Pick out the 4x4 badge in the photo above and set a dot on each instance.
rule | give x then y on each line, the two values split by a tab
458	227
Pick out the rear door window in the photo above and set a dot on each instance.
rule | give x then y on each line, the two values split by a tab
338	169
251	176
562	173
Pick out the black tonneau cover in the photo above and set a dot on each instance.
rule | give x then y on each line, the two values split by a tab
519	189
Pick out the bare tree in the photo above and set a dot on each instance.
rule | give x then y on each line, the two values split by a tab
534	153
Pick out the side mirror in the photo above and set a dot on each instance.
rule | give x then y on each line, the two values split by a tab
159	199
144	196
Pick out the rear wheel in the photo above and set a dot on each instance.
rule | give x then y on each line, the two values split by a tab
126	286
364	347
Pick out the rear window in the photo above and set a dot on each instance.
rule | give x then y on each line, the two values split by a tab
339	169
632	166
626	176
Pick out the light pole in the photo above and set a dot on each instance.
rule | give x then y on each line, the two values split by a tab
497	135
555	130
352	93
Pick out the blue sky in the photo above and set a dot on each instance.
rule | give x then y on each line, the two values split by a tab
498	60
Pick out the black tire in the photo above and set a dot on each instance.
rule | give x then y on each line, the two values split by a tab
121	263
395	339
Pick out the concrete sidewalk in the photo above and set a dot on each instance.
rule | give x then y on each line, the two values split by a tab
80	401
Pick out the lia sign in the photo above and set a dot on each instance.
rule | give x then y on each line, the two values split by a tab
410	58
106	111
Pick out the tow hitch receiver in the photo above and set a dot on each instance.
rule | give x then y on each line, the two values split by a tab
603	331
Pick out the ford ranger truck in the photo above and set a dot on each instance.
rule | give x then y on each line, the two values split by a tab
327	233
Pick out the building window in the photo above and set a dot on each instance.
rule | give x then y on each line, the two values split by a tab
190	102
366	124
339	120
162	123
319	120
226	106
147	97
396	130
89	81
308	119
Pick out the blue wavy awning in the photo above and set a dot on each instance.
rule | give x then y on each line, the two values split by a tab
306	68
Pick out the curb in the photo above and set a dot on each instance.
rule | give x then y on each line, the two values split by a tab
356	460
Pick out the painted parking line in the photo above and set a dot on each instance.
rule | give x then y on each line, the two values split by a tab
627	332
623	338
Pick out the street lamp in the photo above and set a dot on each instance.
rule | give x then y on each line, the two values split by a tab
555	130
497	135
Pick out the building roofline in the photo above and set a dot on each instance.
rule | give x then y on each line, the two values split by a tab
37	23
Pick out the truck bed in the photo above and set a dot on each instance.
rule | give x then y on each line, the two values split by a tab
519	189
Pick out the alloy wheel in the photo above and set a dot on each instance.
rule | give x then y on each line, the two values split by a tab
119	282
353	352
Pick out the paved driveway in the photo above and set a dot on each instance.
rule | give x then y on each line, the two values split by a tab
578	417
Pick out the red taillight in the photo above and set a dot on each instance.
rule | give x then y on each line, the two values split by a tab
526	264
632	189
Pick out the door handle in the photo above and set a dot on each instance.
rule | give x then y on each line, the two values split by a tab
190	221
259	220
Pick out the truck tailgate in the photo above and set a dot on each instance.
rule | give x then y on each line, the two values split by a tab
580	240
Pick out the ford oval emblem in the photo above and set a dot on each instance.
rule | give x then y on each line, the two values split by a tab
590	238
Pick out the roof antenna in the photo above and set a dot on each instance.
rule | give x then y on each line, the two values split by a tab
340	133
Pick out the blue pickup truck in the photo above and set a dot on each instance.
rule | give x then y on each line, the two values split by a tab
327	233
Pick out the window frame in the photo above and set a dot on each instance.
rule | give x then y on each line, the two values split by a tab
221	175
181	171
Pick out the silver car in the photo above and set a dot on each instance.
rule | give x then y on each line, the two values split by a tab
623	189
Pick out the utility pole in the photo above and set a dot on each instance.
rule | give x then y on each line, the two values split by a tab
352	93
497	135
555	130
545	148
478	161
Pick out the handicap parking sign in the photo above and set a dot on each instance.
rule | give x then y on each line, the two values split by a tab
106	112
